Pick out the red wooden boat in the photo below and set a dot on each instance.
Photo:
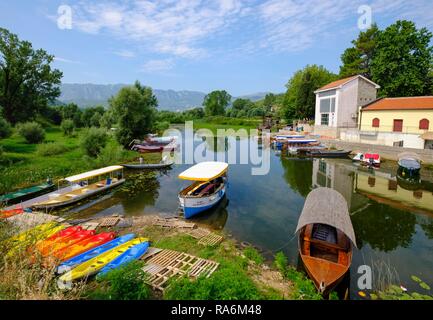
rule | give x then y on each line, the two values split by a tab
325	238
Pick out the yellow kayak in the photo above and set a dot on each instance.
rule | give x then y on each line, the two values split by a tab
95	264
33	235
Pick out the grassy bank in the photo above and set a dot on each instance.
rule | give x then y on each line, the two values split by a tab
214	123
24	164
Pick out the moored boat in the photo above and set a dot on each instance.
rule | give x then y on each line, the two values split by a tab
27	193
207	190
326	153
161	165
325	238
368	159
83	186
409	165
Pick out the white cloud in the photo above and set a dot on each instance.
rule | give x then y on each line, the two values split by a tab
59	59
157	65
125	53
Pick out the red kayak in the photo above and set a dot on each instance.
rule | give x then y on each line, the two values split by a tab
4	214
64	242
84	245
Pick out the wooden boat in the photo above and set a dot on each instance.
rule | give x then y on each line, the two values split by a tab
27	193
409	165
151	148
326	153
207	190
162	165
83	186
325	238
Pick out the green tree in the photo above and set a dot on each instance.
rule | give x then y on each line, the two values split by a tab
5	128
93	141
299	101
216	102
403	60
358	59
27	82
269	102
31	131
73	112
134	109
67	126
88	117
242	104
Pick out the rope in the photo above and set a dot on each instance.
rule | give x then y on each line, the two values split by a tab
285	245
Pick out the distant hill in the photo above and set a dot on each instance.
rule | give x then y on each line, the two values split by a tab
87	95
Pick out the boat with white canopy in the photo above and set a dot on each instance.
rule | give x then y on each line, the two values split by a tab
209	187
82	186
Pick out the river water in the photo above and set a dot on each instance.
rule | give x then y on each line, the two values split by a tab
393	220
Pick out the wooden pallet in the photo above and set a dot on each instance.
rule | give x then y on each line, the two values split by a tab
90	225
198	233
109	222
150	253
173	223
211	239
168	264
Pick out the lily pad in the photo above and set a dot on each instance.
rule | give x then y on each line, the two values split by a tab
424	285
416	279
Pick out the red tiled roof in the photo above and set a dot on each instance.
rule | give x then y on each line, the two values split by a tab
336	84
407	103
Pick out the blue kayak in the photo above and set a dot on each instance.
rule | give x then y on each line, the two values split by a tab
71	263
129	255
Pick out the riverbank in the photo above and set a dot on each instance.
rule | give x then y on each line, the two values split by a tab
241	272
23	164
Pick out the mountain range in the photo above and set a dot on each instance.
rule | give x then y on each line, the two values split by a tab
86	95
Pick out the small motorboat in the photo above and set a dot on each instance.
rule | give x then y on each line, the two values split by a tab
368	159
161	165
326	153
325	238
409	165
207	190
27	193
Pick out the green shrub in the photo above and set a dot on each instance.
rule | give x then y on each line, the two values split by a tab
51	149
281	262
32	132
67	127
111	154
161	126
124	283
93	141
5	128
227	283
253	255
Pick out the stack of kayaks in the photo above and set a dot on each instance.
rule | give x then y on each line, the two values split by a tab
81	253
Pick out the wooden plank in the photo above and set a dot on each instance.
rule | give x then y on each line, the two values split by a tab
150	253
109	222
198	233
211	239
90	225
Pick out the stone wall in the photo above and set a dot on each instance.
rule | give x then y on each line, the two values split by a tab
382	138
386	152
326	131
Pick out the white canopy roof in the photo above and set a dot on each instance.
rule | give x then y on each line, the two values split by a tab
205	171
94	173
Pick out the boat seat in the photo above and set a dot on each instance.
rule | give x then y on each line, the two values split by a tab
207	189
324	233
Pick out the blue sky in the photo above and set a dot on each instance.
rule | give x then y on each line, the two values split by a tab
242	46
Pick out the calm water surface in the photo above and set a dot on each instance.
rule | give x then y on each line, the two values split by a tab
393	220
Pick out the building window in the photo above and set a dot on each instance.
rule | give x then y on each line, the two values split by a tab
424	124
398	125
324	120
327	105
376	123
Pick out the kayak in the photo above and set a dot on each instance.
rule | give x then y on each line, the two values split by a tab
134	253
29	237
85	256
42	244
95	264
4	214
84	245
64	242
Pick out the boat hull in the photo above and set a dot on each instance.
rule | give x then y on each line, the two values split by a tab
148	165
26	194
46	206
192	206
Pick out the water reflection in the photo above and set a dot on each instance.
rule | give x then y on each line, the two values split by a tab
298	174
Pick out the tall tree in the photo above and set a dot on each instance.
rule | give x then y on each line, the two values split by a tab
403	60
357	59
299	101
27	82
268	102
134	109
216	102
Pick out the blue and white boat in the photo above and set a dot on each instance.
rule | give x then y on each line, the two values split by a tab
209	187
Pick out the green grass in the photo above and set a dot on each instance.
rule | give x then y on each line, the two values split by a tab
22	165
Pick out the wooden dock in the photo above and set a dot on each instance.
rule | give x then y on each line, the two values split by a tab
168	264
173	223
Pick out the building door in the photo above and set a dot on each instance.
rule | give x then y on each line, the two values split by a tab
398	125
